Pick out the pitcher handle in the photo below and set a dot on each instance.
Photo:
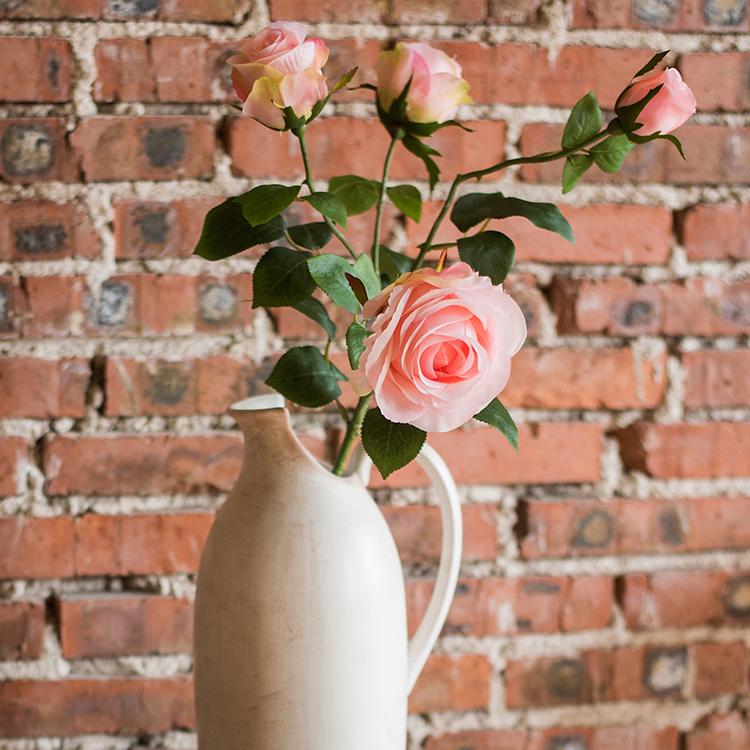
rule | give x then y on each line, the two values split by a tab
450	556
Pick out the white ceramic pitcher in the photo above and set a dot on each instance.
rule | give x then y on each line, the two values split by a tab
300	624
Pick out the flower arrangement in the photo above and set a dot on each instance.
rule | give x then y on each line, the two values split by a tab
430	343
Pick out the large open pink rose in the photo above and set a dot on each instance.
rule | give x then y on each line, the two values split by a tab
440	346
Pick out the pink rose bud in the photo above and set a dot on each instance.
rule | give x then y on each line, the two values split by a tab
437	88
440	347
671	107
278	68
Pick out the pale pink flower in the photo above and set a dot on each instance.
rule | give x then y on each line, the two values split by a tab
440	347
671	107
436	90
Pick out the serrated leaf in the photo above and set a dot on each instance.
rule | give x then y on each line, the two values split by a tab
329	205
425	153
575	166
226	232
357	193
329	273
469	210
304	376
489	253
282	278
497	416
313	236
390	445
263	203
365	272
316	311
393	264
407	199
584	122
611	152
652	63
355	343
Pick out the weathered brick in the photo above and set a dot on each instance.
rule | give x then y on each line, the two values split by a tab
699	72
35	708
339	11
720	731
574	528
13	307
110	625
13	450
53	9
43	388
218	11
438	11
34	69
144	148
123	71
35	149
55	306
716	232
452	683
719	669
515	12
36	547
21	630
713	449
717	378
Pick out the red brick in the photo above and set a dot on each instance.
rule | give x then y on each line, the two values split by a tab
124	71
21	630
717	378
452	683
145	148
13	307
418	533
111	625
34	70
34	708
42	230
141	464
699	72
524	290
36	547
43	388
719	668
574	528
439	11
689	15
716	232
13	451
515	11
480	739
620	307
259	152
35	150
53	9
339	11
167	10
343	55
684	599
155	386
720	731
55	305
715	154
718	449
512	606
218	11
604	379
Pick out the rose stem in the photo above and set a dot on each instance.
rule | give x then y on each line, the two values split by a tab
397	136
350	436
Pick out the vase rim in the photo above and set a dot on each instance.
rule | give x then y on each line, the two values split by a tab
262	402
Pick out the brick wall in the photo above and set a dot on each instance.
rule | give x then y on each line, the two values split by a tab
604	602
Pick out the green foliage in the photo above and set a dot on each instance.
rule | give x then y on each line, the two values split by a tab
263	203
652	63
316	311
313	236
575	166
282	278
584	122
356	193
489	253
390	445
355	343
330	274
496	415
425	153
393	264
407	199
329	205
365	272
611	152
304	376
226	233
627	115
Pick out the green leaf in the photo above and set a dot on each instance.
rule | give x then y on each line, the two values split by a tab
496	415
355	343
365	272
304	376
316	311
489	253
329	273
675	141
471	209
390	445
357	193
584	122
575	166
424	152
313	236
652	63
393	264
611	152
407	199
226	233
262	203
331	206
282	278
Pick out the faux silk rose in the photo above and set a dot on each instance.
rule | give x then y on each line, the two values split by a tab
436	90
279	68
440	347
671	107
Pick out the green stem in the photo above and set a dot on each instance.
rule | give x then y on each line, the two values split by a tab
300	133
381	199
427	245
350	436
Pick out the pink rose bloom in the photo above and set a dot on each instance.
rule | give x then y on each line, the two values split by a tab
437	88
278	68
440	346
670	108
